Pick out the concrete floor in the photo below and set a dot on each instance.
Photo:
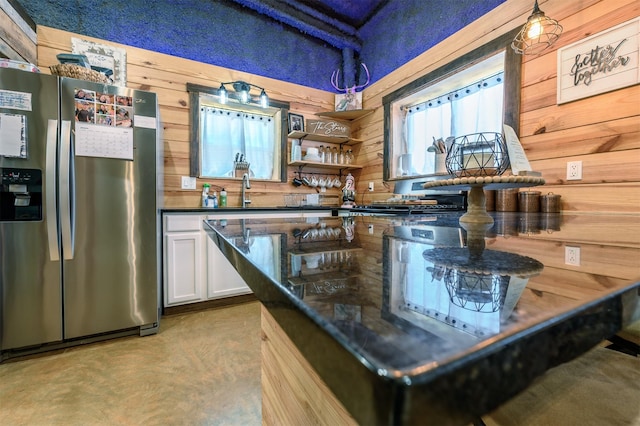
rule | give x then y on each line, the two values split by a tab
202	368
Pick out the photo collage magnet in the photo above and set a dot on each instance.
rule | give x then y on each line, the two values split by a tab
102	108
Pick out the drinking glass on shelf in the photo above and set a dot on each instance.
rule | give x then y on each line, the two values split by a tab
349	157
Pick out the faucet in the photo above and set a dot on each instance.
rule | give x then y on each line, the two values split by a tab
245	233
245	185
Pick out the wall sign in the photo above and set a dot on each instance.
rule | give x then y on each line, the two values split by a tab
101	55
328	128
600	63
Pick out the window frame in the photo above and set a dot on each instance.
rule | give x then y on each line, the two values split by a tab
195	90
511	94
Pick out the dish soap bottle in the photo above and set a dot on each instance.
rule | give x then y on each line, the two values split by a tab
223	198
213	200
205	195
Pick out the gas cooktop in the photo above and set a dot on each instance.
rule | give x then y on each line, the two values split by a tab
438	204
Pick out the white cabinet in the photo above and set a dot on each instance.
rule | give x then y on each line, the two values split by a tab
184	266
194	267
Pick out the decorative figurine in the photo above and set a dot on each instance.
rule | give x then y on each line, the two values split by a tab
349	192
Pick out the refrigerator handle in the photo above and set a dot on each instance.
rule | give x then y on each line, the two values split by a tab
67	189
50	190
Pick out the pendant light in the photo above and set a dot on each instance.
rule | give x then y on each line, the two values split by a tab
538	33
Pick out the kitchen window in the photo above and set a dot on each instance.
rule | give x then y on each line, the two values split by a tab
478	92
475	108
222	135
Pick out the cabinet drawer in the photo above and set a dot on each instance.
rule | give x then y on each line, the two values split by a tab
183	222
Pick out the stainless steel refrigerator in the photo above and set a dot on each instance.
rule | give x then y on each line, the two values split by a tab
81	167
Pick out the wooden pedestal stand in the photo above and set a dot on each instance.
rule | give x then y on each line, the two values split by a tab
476	203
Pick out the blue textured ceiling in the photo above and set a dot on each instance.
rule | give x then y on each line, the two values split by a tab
299	41
354	13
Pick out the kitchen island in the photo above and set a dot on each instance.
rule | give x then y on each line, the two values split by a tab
418	320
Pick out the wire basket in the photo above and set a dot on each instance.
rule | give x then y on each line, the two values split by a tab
478	154
81	73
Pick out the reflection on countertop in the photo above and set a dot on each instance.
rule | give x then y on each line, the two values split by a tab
420	299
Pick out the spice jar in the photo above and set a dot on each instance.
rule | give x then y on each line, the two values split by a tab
507	200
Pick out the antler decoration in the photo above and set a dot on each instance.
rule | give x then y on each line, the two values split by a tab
352	89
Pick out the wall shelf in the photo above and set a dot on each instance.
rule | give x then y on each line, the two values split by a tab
340	140
346	115
301	164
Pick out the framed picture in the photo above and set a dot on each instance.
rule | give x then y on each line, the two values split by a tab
296	123
348	101
103	56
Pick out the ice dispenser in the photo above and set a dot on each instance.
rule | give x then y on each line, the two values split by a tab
21	195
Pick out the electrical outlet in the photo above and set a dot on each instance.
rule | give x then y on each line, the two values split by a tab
572	255
370	186
574	170
188	182
370	228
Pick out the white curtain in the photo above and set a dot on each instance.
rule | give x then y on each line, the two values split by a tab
478	112
471	109
226	133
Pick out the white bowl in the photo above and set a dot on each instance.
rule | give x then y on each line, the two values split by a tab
312	152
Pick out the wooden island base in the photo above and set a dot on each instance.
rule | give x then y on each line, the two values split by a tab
292	392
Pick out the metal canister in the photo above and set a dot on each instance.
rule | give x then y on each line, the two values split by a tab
550	222
550	203
505	224
490	200
529	224
529	201
507	200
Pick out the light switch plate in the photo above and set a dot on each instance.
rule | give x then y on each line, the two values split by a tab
188	182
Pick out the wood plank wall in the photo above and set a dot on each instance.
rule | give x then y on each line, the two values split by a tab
168	76
603	131
17	36
292	391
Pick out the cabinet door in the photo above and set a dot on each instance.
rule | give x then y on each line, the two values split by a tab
184	267
222	279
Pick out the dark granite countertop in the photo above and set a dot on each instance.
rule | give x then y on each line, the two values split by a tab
416	320
223	210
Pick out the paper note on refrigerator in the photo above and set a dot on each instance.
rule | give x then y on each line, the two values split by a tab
13	135
93	140
15	100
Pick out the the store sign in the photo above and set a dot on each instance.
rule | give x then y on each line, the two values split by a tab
600	63
328	128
